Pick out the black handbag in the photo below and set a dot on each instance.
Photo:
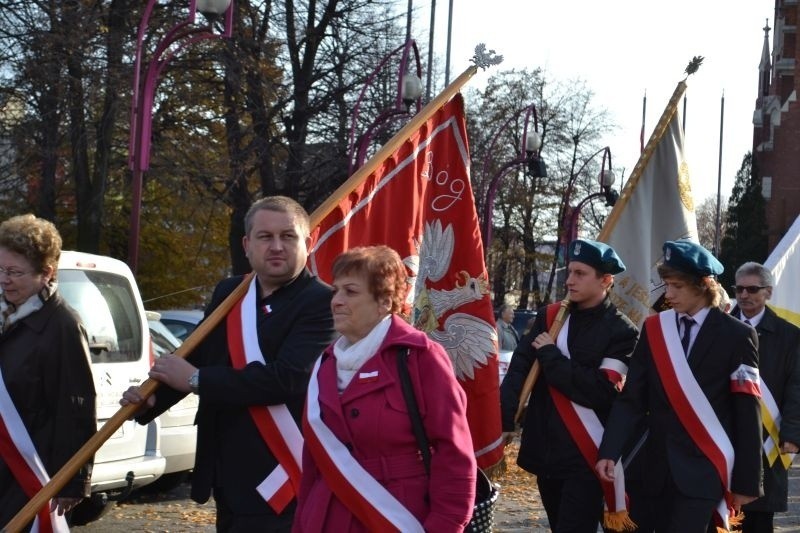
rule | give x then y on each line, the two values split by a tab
486	493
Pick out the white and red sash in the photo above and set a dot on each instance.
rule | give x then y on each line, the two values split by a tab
690	403
19	454
583	424
361	493
274	422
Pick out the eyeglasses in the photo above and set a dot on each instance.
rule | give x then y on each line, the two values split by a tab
11	273
751	289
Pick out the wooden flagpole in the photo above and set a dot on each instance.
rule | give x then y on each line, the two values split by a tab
85	453
638	170
644	159
391	147
536	369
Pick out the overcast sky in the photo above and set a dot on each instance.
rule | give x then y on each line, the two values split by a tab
622	49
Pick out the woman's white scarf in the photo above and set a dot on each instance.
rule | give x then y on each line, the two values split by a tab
351	357
9	313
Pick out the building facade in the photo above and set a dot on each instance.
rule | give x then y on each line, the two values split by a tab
776	121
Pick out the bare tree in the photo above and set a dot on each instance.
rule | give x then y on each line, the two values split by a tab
289	128
706	214
532	210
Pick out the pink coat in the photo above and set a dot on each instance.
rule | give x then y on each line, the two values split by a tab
371	418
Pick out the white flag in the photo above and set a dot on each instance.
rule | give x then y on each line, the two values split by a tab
784	263
655	206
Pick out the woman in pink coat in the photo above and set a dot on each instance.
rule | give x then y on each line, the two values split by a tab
362	467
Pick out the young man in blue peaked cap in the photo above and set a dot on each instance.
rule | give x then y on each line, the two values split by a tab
582	370
695	375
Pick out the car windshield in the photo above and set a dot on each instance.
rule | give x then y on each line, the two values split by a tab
164	342
181	323
106	305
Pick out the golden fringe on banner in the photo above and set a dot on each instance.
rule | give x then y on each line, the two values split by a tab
618	521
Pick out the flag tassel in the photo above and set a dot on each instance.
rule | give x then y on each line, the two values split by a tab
618	521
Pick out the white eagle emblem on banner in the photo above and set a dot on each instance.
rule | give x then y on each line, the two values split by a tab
469	340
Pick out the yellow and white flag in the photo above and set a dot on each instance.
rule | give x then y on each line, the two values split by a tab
655	206
784	263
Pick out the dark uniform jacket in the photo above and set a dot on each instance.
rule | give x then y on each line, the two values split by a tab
45	362
547	449
779	369
294	327
722	344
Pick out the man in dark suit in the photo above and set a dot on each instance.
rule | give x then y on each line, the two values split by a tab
779	367
694	374
261	355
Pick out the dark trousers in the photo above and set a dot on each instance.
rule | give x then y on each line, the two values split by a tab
572	505
230	522
640	505
757	522
675	512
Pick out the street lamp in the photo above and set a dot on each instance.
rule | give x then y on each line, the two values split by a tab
527	155
409	92
180	36
606	179
564	232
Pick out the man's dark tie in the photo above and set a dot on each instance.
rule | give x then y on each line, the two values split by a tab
687	333
747	322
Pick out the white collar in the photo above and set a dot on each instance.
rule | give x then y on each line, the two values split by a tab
351	357
699	317
754	321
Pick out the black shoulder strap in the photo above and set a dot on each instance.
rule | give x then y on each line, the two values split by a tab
413	408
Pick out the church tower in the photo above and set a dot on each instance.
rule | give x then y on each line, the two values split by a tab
776	121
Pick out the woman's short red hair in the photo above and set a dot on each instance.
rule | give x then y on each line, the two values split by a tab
383	269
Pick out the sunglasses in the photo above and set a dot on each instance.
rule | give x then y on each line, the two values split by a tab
751	289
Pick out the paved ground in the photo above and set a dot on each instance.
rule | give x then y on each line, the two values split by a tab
518	510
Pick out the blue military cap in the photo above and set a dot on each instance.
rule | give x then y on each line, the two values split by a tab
689	257
596	254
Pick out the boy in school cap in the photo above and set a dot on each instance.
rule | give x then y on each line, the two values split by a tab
694	374
596	254
583	366
689	257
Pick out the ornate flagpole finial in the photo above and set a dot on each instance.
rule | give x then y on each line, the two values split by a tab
694	65
484	58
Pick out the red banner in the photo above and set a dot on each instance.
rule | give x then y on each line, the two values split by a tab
419	202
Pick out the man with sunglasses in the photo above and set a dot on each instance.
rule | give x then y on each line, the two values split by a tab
779	366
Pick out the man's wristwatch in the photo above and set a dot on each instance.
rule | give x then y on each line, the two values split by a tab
194	382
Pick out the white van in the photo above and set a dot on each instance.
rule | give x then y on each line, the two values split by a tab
103	291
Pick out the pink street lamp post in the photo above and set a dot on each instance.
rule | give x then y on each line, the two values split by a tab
409	92
145	81
568	216
528	155
606	179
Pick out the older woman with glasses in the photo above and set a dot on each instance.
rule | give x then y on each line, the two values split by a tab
363	469
47	396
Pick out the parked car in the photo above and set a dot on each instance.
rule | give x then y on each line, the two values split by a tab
520	323
181	322
521	319
104	293
178	432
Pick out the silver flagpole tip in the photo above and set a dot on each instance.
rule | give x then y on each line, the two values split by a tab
485	58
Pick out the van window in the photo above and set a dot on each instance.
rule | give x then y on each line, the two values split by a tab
108	310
